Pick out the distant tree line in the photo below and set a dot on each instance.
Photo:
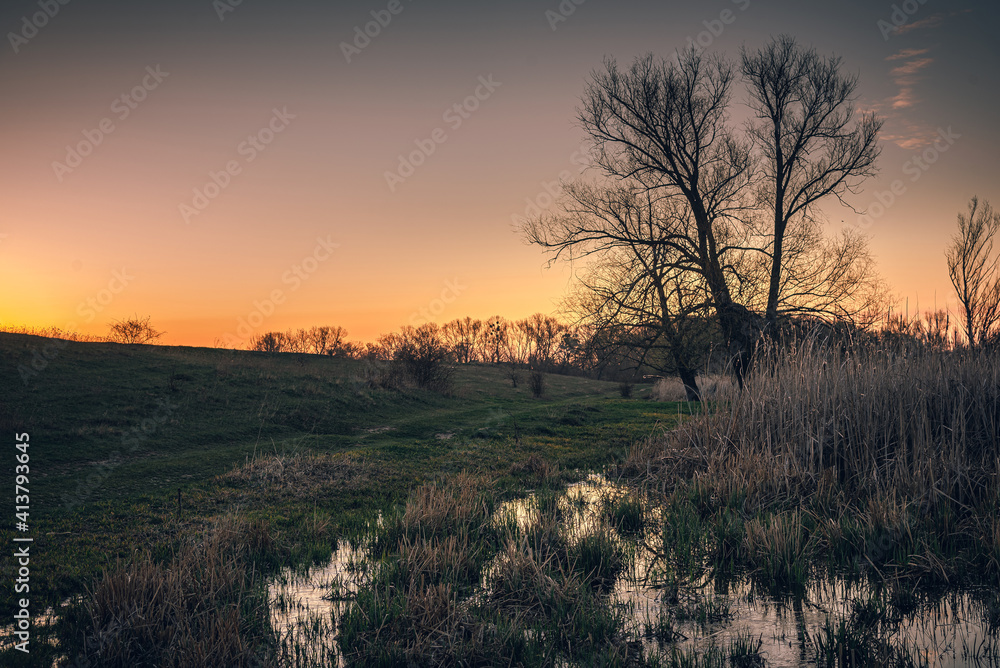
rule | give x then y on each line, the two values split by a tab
315	340
540	342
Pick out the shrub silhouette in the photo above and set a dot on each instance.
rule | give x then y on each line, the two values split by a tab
537	384
133	330
423	356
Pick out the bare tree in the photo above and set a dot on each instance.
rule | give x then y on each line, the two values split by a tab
463	338
975	272
423	356
662	126
651	318
541	334
494	340
133	330
665	124
269	342
325	340
822	278
644	294
812	143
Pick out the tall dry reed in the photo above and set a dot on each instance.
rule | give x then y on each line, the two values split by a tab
920	424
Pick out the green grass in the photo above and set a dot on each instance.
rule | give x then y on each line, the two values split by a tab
117	431
304	450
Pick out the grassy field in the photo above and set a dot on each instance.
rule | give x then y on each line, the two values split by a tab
168	486
119	433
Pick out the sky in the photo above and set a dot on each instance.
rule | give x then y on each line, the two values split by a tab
231	167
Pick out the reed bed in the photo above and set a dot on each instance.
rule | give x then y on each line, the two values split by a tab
878	457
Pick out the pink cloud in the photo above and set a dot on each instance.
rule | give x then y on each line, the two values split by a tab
908	53
906	76
929	22
911	67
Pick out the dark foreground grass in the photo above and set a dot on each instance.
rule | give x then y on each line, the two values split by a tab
137	451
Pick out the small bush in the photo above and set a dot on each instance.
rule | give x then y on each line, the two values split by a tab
133	330
383	375
536	468
537	384
269	342
625	389
424	357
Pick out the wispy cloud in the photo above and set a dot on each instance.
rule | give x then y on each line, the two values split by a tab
909	134
906	76
930	22
911	67
908	53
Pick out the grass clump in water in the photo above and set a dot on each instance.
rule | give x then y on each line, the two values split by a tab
459	587
625	512
598	557
778	548
202	607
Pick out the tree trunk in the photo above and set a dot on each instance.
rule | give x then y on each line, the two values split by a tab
742	329
690	381
774	288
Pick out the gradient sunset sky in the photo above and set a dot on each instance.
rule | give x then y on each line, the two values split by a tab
123	224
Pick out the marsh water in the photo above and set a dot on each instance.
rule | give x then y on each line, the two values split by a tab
946	629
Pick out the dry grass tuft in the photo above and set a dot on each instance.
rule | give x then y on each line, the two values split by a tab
713	387
920	423
300	474
434	559
51	333
531	582
200	609
779	548
435	509
538	469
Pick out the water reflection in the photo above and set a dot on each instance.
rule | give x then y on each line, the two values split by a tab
305	605
666	612
947	631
